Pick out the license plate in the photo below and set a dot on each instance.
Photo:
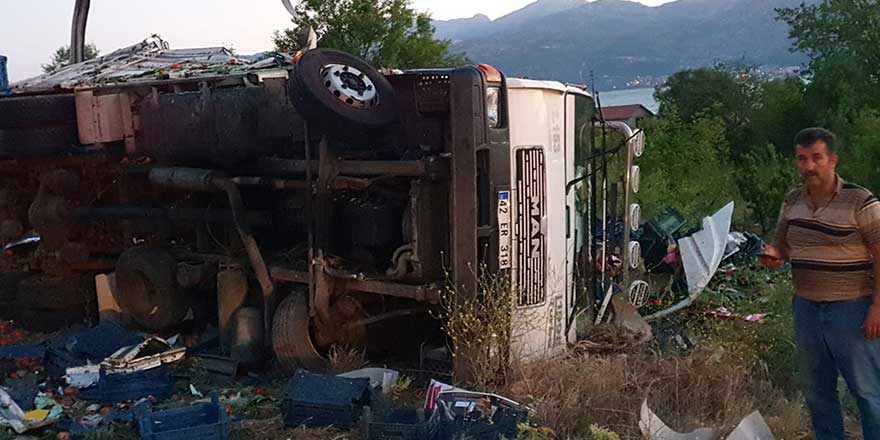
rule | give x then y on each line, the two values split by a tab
504	238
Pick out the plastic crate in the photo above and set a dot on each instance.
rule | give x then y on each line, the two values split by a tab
4	79
202	422
399	424
504	425
115	388
297	414
316	400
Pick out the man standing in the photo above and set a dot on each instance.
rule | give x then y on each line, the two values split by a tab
830	232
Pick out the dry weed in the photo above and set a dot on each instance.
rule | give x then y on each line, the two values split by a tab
343	359
573	391
274	429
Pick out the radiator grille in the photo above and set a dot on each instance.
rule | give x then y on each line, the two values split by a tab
531	274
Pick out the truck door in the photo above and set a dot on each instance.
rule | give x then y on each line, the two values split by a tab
579	108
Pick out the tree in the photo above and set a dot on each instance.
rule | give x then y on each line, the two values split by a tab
61	57
835	28
764	177
386	33
842	39
686	166
721	92
859	159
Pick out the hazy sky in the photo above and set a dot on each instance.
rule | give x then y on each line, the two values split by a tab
32	30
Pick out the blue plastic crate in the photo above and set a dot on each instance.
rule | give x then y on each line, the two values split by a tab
115	388
399	424
201	422
503	425
4	80
316	400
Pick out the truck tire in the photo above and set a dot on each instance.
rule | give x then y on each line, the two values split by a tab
291	337
37	111
342	94
35	142
147	290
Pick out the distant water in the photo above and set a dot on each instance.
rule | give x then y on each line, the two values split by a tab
643	96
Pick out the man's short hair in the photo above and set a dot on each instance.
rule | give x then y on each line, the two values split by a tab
809	136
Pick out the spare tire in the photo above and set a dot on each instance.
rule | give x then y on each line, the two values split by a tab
342	94
146	288
37	111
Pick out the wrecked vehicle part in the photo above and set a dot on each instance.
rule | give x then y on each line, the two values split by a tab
147	287
152	353
292	339
246	342
653	428
193	179
701	255
342	95
752	427
437	174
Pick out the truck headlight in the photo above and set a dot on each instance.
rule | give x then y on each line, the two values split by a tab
492	113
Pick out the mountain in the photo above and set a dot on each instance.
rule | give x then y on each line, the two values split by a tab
620	40
461	28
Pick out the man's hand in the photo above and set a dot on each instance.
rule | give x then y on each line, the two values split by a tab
872	322
772	258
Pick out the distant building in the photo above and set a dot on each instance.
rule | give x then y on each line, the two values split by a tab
631	114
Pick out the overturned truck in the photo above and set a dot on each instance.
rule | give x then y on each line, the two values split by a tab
338	200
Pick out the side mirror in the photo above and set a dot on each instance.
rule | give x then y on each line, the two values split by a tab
636	143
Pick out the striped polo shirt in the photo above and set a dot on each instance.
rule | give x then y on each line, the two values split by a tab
828	245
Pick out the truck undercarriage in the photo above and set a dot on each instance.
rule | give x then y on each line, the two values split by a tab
340	217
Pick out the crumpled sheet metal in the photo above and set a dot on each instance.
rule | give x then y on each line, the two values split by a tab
139	61
701	254
752	427
152	353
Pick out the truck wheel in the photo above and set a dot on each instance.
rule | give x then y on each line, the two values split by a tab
146	288
32	142
291	337
37	111
342	94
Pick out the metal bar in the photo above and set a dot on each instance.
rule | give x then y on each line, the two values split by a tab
384	316
428	293
78	31
410	168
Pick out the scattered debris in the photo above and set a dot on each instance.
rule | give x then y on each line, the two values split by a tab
381	378
653	428
11	415
723	312
467	414
152	353
752	427
701	255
